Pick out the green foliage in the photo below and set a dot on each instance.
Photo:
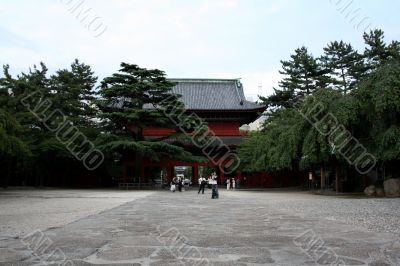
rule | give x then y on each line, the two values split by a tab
300	72
379	95
128	98
14	153
277	146
70	92
127	103
358	92
301	76
377	51
11	146
343	64
73	93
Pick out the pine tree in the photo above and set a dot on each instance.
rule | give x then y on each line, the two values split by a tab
344	64
377	51
66	92
74	93
132	100
280	98
13	90
301	73
129	99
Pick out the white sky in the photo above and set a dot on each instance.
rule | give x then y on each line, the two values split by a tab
187	39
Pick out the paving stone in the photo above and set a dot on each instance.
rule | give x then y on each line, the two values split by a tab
240	228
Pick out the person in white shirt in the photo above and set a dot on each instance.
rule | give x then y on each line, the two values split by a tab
233	183
228	184
202	185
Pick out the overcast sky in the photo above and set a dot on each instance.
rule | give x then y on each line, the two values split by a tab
187	39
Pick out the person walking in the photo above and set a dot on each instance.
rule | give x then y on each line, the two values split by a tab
233	183
202	185
214	184
173	184
228	184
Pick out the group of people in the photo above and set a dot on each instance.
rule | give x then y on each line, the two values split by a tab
231	183
212	181
177	182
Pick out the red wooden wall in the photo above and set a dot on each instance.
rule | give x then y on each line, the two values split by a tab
272	180
219	129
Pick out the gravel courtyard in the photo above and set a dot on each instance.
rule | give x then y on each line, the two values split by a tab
86	227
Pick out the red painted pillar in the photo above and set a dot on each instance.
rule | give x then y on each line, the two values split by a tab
168	173
239	178
171	172
195	173
125	174
142	178
221	175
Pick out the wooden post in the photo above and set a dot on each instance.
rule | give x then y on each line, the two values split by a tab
195	173
141	177
167	173
222	175
124	170
171	172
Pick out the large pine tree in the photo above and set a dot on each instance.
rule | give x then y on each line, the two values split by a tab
67	91
74	93
344	65
132	100
377	51
302	75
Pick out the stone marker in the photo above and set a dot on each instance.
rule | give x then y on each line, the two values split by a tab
370	191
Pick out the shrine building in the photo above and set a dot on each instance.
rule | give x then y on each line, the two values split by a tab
219	102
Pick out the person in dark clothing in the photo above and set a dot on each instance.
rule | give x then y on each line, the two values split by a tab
202	185
180	185
214	183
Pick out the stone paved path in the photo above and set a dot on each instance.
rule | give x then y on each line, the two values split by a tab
189	229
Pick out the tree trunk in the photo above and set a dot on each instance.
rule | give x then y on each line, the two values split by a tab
344	81
139	158
7	172
337	176
323	177
138	166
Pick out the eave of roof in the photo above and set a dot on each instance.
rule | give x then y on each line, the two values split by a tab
259	109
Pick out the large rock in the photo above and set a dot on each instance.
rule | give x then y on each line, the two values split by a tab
379	192
392	187
370	191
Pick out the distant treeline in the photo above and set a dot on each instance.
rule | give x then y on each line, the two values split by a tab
64	130
337	114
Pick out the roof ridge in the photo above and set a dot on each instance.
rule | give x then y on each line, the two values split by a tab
203	79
